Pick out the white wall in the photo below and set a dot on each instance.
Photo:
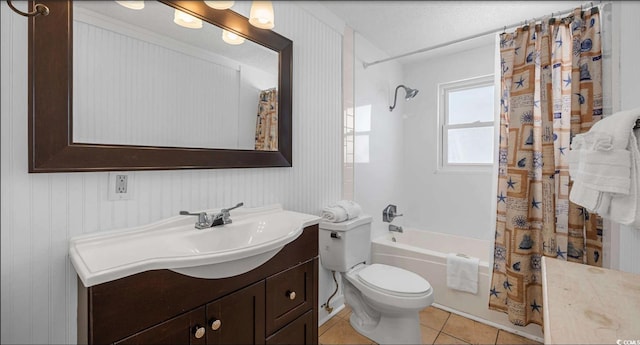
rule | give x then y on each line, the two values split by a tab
40	212
378	178
448	202
377	171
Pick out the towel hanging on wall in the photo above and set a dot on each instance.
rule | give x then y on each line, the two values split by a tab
604	164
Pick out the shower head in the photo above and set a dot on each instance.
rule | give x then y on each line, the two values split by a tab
410	93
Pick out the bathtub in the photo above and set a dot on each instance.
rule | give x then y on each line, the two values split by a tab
425	253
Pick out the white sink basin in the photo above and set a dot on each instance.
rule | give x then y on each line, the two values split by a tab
255	236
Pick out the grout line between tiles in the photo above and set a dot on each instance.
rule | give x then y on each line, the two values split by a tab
445	321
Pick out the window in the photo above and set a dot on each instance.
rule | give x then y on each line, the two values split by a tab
362	131
467	124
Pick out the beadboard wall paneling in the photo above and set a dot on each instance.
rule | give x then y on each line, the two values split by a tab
134	92
41	212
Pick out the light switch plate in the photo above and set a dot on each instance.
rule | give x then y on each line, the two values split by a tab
120	185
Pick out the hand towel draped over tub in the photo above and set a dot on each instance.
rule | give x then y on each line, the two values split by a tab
341	211
462	273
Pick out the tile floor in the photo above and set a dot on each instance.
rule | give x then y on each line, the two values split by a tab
438	327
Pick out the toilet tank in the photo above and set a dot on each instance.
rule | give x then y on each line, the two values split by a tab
345	244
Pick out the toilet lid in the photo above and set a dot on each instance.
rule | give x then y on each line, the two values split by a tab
393	280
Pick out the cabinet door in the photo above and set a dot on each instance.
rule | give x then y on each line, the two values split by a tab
299	331
289	295
237	318
189	328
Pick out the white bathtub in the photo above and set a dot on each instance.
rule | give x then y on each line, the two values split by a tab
425	253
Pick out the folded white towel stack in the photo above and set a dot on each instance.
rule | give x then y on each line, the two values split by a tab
462	273
604	164
341	211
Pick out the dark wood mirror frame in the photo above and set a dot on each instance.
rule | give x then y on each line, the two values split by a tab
51	146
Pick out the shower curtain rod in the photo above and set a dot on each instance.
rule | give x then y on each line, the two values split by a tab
504	28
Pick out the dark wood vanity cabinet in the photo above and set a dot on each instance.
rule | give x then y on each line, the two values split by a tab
237	318
178	330
275	303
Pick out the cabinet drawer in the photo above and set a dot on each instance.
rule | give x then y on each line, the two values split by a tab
289	295
184	329
299	331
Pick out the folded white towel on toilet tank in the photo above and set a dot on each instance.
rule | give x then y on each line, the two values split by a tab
462	273
341	211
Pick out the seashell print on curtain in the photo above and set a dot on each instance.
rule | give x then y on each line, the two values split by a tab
267	121
551	90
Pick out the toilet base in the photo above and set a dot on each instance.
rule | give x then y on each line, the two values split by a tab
397	329
383	318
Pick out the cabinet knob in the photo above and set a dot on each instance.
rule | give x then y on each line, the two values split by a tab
198	331
291	295
215	324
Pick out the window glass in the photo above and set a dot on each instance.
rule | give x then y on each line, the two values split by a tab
471	105
470	145
467	124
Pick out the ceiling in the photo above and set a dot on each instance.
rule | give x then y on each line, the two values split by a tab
399	27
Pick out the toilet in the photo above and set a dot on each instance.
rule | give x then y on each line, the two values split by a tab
385	300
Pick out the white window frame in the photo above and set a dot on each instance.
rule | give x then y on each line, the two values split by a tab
443	125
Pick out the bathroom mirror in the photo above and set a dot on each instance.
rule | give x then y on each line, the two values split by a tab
94	118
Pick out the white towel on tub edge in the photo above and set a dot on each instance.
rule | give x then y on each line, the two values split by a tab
462	273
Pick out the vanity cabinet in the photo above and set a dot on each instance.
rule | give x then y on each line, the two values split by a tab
178	330
275	303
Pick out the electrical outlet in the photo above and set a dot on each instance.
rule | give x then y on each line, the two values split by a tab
120	186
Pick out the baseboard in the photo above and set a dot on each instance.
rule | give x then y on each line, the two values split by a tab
490	323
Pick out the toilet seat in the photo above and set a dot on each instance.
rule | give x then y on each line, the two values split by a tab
394	281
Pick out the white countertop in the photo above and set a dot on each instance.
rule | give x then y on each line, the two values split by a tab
254	236
589	305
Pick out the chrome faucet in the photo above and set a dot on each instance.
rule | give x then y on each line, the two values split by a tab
389	213
395	228
205	221
223	217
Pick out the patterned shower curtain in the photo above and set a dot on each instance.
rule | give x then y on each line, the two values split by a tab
551	84
267	121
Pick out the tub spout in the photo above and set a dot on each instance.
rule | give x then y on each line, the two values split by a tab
395	228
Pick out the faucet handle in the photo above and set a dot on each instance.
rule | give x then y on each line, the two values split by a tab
226	210
389	213
203	219
224	217
225	213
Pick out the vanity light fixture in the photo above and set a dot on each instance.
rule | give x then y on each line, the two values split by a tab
186	20
261	15
232	38
132	4
220	5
